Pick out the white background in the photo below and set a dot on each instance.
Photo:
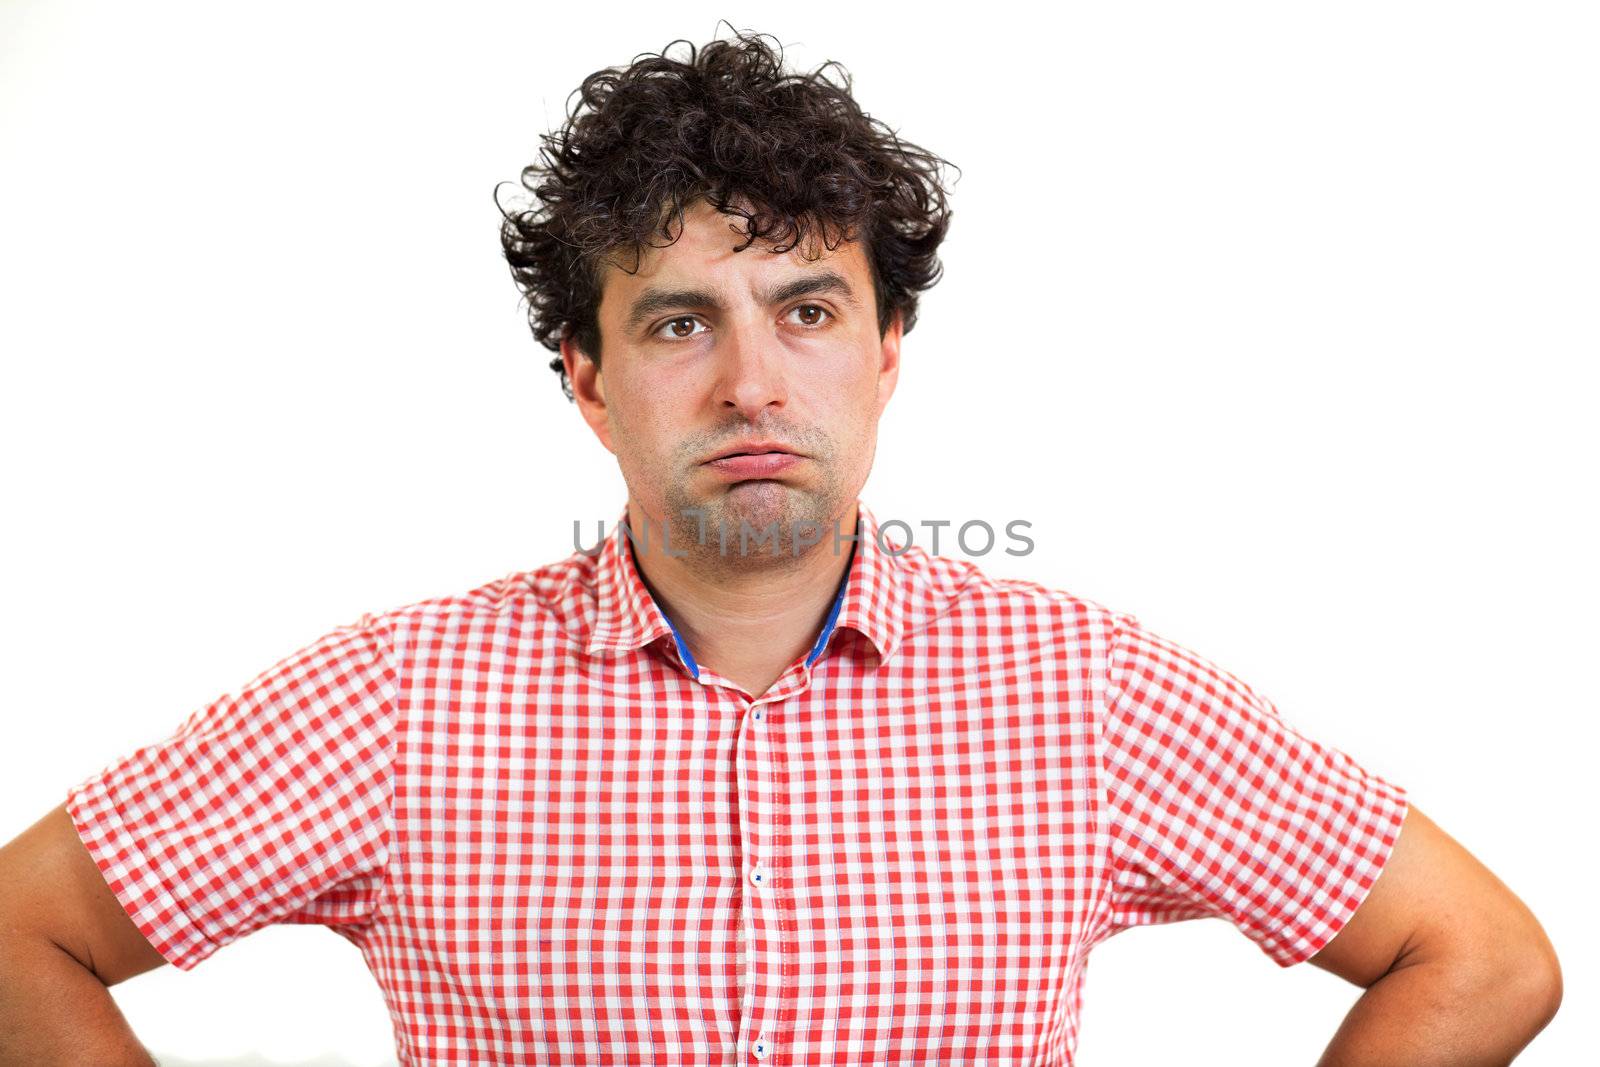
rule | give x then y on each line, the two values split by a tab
1277	321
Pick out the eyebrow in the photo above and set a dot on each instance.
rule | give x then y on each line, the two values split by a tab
654	301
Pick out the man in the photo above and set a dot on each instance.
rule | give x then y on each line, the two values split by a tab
752	780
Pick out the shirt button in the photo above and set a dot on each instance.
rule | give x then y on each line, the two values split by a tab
759	1048
758	876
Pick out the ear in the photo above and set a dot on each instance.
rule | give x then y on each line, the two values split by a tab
889	362
588	390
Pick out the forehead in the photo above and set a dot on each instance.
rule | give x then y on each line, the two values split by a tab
703	254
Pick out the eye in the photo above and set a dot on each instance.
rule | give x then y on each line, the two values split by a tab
671	327
807	319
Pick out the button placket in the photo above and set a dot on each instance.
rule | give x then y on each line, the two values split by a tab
760	795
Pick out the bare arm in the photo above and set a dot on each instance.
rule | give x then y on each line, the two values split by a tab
64	939
1457	971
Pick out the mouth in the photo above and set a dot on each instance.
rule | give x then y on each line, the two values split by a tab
753	462
762	452
759	448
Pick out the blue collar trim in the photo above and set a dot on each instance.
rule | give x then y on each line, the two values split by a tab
816	649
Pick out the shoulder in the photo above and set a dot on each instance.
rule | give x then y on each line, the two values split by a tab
552	602
947	592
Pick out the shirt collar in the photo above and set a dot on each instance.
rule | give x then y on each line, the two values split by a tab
871	598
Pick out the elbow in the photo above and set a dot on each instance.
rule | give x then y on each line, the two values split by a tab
1545	981
1539	973
1513	980
1530	982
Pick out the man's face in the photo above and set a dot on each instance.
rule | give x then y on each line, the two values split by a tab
705	349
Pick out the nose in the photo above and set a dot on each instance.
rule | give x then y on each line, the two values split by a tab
753	369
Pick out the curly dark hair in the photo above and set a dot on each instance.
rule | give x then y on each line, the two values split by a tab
793	154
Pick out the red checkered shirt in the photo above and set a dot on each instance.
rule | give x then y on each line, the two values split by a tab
556	840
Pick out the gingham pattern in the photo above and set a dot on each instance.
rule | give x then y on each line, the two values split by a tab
554	844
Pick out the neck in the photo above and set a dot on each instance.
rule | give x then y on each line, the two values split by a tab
746	623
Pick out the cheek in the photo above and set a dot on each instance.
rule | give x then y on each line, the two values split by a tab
842	381
640	426
858	398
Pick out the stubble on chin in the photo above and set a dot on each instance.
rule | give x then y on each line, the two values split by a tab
708	529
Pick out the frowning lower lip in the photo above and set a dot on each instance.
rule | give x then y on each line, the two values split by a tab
758	465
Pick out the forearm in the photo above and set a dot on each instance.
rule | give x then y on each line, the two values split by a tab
54	1011
1441	1014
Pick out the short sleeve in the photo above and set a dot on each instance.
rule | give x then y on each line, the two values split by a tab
1216	807
268	805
